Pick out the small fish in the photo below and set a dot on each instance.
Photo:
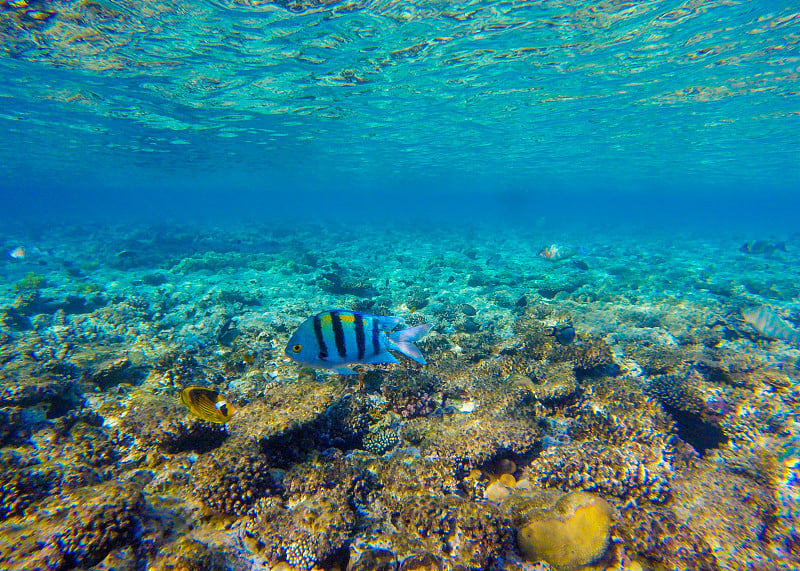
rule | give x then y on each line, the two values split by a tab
336	338
581	265
556	252
564	333
207	404
18	253
40	15
23	253
762	247
769	324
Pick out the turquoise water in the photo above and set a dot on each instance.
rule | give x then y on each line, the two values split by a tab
587	214
625	99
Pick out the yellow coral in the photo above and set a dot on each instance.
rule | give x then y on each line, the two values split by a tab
574	533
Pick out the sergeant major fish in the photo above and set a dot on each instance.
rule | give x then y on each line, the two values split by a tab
337	338
770	324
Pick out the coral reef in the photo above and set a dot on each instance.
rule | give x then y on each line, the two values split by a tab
232	478
431	531
304	534
654	432
73	529
627	471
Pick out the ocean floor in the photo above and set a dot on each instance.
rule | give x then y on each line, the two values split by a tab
663	436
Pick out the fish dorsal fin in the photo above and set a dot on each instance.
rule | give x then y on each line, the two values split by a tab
387	322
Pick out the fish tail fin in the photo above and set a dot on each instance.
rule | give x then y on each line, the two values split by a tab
403	341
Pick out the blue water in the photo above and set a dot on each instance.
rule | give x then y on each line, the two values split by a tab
610	109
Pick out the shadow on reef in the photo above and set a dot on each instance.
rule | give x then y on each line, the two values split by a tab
682	399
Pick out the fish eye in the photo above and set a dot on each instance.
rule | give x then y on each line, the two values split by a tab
296	348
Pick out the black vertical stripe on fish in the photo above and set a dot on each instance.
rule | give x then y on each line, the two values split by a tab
338	333
375	339
323	349
360	341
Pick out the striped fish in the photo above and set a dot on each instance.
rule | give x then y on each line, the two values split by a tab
207	404
770	324
337	338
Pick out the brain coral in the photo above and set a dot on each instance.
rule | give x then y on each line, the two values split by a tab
573	533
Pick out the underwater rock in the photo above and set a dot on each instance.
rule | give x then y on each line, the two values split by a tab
500	488
417	299
177	366
23	481
17	424
734	515
678	392
477	279
661	538
89	445
154	278
590	358
615	414
468	441
371	559
410	397
336	283
56	396
659	359
187	554
14	320
114	371
574	532
681	397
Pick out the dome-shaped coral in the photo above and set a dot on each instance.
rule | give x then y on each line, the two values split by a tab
572	533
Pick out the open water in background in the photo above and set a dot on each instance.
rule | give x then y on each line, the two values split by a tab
609	112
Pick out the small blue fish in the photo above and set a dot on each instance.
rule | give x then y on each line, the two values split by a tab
336	338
